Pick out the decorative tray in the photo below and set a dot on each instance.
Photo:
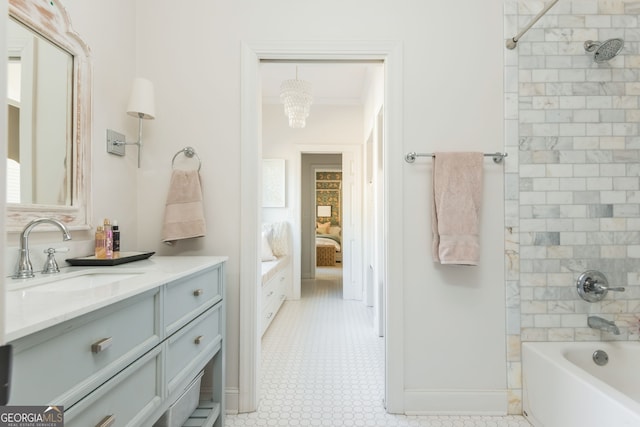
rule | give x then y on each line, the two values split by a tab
124	258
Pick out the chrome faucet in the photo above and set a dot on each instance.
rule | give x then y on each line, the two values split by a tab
24	269
596	322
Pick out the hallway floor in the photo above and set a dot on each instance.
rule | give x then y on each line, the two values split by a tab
318	372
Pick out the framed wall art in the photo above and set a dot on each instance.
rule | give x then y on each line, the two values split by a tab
273	183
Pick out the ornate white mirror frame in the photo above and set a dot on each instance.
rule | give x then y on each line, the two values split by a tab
50	19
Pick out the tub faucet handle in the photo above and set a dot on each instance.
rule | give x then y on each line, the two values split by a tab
603	288
593	286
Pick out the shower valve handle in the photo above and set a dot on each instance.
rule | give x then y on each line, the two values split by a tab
593	286
602	288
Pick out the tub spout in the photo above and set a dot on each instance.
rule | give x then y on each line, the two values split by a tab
596	322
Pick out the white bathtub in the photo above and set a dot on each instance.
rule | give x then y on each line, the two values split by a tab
563	386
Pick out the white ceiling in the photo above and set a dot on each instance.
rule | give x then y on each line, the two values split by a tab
333	83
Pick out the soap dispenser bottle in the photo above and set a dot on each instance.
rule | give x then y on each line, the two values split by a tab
108	239
101	248
116	239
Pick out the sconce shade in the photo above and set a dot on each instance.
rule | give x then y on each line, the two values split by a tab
142	100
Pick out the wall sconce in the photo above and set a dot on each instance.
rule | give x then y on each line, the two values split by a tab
324	211
141	105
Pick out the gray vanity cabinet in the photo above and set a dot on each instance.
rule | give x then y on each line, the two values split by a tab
187	349
127	363
189	297
62	364
129	399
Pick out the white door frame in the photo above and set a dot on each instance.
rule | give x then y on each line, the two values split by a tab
352	258
251	153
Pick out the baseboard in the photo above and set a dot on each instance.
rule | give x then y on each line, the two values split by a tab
231	400
453	402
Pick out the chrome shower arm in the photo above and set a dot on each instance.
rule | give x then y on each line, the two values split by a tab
513	42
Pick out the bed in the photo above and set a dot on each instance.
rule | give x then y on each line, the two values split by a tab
329	236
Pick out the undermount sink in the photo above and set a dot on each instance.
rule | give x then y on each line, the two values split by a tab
89	280
76	281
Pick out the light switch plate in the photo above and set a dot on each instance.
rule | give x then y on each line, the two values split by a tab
112	148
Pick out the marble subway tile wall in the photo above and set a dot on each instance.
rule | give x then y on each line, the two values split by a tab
572	175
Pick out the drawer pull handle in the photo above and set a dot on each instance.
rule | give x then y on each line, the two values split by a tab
107	421
198	339
101	345
198	292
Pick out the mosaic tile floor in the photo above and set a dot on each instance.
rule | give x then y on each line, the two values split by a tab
318	372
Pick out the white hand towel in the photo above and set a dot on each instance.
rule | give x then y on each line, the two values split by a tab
457	196
184	212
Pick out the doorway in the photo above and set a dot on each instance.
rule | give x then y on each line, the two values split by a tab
322	213
249	343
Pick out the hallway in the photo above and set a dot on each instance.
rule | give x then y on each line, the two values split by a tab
322	365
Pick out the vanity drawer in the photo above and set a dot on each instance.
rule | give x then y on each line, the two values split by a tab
128	399
83	353
192	346
190	296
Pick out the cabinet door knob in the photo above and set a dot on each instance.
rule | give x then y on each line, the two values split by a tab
101	345
198	292
107	421
198	339
270	293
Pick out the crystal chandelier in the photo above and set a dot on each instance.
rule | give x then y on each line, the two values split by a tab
296	97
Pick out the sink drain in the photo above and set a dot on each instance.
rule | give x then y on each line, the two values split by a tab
600	357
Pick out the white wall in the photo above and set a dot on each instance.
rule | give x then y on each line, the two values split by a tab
326	125
452	100
109	30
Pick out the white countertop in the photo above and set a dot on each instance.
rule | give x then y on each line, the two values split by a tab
46	300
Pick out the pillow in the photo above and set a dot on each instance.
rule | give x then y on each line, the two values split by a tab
267	253
323	228
280	239
267	228
335	230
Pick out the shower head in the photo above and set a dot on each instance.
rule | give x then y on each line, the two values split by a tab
604	51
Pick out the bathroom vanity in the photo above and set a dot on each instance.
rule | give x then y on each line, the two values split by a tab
118	346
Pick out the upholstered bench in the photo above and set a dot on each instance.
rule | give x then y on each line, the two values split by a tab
325	256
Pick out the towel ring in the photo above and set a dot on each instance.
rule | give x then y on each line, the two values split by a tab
189	152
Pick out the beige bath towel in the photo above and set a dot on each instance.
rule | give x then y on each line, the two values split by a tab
457	195
184	213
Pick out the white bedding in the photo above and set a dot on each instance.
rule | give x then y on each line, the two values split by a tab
323	241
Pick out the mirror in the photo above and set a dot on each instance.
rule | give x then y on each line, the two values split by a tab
39	143
49	112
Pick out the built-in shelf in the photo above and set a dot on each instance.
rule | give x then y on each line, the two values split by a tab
205	414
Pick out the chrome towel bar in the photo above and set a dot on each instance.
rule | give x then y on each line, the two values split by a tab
411	157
